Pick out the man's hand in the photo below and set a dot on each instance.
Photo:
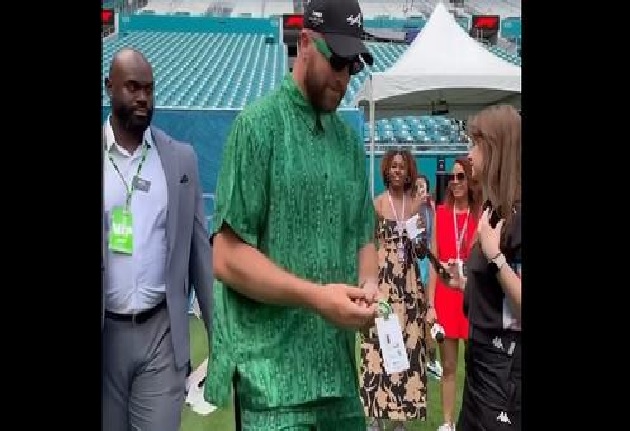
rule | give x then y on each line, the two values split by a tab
346	306
372	293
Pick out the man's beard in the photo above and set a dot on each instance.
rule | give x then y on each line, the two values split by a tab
316	93
131	122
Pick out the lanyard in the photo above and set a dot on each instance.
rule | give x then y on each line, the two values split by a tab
459	235
398	222
145	148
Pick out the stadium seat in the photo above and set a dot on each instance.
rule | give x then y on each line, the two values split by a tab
439	131
200	69
232	70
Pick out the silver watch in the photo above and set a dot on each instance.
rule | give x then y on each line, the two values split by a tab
499	261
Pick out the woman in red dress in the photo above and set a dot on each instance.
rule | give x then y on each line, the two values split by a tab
455	227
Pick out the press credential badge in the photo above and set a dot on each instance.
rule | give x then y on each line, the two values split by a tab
393	348
120	232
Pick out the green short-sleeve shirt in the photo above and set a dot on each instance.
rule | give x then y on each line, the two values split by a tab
292	184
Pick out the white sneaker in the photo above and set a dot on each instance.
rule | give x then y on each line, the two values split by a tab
435	368
446	427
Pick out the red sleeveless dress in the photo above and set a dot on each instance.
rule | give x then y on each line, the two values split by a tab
449	301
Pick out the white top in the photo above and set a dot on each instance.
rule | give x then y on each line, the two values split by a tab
137	282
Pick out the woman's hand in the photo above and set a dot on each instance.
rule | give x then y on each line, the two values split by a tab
489	237
430	316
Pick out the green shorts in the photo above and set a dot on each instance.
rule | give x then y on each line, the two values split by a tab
333	414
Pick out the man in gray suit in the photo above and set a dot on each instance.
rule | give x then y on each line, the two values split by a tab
157	246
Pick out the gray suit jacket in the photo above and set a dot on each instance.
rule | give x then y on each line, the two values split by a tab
188	255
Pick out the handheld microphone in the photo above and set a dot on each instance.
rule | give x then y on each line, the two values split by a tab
495	215
439	268
437	332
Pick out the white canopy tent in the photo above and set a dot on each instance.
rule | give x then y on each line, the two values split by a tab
442	65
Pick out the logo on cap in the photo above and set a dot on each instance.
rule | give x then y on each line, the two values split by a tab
316	18
354	20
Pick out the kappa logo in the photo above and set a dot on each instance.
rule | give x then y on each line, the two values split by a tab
503	417
496	341
354	20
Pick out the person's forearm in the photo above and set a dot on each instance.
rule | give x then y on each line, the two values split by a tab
368	264
250	273
432	272
431	287
511	284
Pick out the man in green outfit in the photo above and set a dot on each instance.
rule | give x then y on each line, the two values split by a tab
294	260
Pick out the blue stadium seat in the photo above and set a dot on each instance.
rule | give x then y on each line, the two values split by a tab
426	129
199	70
232	70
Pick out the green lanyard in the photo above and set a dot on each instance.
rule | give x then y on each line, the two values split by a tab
145	149
384	309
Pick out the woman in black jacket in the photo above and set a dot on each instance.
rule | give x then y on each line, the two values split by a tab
492	297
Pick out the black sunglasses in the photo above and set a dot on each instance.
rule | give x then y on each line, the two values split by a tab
339	63
354	65
460	176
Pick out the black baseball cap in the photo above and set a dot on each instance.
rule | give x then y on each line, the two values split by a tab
341	24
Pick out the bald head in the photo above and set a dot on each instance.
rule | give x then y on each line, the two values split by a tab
130	90
127	58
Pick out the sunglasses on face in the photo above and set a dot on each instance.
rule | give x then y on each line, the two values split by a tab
460	177
354	65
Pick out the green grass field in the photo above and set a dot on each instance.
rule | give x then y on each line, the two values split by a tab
223	419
